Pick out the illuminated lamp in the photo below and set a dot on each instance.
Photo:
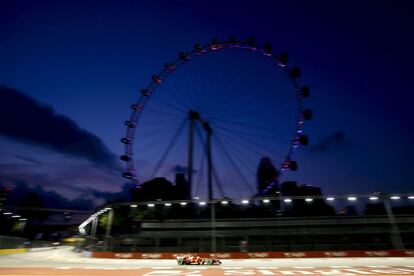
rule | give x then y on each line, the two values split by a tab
156	79
128	175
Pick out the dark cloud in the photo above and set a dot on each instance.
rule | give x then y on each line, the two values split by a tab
331	141
48	199
23	118
123	195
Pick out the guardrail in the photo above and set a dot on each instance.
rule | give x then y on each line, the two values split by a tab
255	255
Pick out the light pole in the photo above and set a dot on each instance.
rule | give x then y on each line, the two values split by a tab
395	231
108	228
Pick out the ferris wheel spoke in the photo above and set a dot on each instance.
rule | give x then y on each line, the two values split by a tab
261	127
246	146
184	85
245	125
233	97
252	104
163	113
238	152
248	134
251	143
233	163
168	149
264	110
233	93
163	102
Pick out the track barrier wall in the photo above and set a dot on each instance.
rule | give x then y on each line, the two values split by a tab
256	255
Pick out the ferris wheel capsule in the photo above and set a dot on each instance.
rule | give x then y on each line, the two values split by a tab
282	59
199	49
215	44
130	124
169	67
251	43
304	91
137	107
182	56
126	140
307	114
233	40
125	158
267	48
145	92
303	140
293	165
128	175
156	79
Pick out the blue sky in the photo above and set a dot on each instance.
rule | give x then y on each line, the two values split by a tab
88	60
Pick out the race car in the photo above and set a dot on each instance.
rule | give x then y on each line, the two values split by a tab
196	260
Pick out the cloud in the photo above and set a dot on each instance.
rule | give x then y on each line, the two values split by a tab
123	195
333	140
24	119
48	199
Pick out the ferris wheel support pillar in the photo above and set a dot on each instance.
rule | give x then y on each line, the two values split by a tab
209	131
192	117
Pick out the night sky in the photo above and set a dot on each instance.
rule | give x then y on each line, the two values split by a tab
70	70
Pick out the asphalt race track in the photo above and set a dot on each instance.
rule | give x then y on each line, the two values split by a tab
63	261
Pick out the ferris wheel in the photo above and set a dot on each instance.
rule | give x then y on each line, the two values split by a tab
213	114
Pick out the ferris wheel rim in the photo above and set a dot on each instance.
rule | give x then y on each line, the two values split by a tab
200	50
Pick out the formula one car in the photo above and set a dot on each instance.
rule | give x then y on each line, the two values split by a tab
196	260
